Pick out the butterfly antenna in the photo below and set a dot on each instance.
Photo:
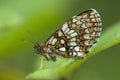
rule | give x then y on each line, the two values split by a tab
27	41
34	39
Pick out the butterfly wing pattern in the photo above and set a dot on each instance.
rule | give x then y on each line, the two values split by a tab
75	38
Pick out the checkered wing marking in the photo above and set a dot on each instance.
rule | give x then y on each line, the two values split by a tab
76	37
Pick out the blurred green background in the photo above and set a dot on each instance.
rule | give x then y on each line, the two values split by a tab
42	18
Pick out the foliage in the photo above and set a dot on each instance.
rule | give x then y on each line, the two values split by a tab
67	68
41	18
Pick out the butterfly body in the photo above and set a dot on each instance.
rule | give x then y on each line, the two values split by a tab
74	39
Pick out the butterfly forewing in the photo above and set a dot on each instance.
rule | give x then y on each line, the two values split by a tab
76	37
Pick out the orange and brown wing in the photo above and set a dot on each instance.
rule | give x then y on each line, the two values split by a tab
76	37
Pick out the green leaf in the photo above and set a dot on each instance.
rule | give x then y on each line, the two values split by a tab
67	67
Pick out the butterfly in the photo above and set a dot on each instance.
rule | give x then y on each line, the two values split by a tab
74	39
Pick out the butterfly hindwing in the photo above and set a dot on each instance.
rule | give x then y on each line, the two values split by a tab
76	37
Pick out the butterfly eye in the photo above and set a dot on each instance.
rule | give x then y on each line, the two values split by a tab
37	48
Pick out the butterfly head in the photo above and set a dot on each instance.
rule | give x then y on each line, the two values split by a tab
38	48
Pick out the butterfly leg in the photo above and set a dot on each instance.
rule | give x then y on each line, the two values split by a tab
52	56
42	62
77	58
